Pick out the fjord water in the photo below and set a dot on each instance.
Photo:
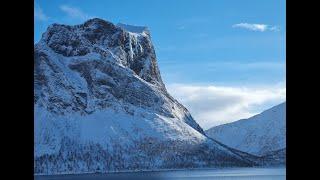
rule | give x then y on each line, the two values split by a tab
278	173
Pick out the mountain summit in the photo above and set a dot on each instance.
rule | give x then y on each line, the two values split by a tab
101	105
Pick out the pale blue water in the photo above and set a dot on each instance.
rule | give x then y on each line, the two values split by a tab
197	174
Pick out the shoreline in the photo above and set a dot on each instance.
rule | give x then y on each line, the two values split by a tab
158	170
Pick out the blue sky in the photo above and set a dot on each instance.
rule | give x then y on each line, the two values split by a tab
200	44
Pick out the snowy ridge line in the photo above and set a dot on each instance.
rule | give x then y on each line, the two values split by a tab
258	135
239	153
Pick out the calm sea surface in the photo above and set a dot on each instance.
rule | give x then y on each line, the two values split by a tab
198	174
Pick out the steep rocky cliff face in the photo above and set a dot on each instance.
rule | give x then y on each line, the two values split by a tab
101	105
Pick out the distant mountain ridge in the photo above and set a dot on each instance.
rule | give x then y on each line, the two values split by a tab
258	135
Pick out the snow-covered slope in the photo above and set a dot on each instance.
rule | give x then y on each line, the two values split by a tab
258	135
100	105
133	29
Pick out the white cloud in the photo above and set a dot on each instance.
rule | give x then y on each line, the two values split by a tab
274	28
214	105
74	12
256	27
39	14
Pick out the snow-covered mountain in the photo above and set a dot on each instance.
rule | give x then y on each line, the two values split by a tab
100	105
259	135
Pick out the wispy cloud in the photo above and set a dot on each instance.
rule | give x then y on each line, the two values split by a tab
39	14
213	105
256	27
74	13
274	28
